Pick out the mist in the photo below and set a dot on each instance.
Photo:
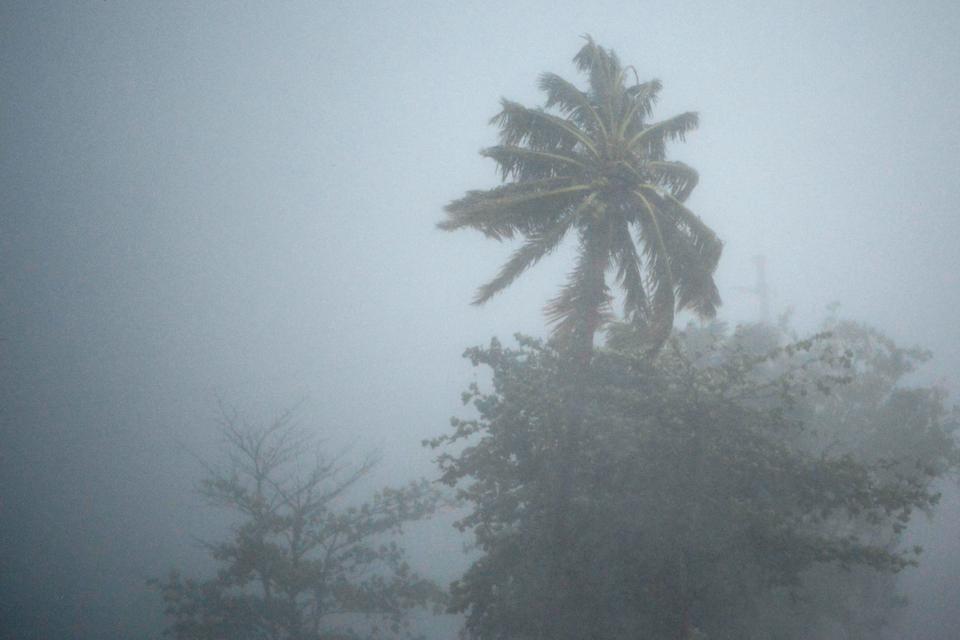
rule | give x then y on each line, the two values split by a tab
236	203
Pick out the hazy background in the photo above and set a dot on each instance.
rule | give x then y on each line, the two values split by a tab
237	200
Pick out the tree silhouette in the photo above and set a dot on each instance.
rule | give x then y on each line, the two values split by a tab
598	169
300	564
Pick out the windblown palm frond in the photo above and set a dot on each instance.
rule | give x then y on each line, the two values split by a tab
589	161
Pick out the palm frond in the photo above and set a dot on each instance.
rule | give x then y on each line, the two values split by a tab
540	130
662	282
695	286
524	164
601	65
605	76
708	245
693	251
654	137
537	246
583	305
640	99
646	94
571	101
679	178
513	208
629	272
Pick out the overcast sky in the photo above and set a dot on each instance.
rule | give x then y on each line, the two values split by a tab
238	200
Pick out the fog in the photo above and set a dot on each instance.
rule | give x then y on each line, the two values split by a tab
237	202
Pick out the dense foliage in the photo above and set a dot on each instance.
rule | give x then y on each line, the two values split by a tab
707	489
299	565
878	419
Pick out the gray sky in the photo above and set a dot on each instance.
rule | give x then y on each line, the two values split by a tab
236	199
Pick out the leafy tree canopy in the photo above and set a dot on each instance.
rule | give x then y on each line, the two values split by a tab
703	490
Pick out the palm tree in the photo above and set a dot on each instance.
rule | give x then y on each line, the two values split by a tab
594	165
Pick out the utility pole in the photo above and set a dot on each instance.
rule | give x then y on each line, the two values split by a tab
761	290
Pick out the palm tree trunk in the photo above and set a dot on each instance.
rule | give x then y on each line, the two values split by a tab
568	618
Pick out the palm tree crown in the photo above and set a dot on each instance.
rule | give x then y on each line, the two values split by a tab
589	161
